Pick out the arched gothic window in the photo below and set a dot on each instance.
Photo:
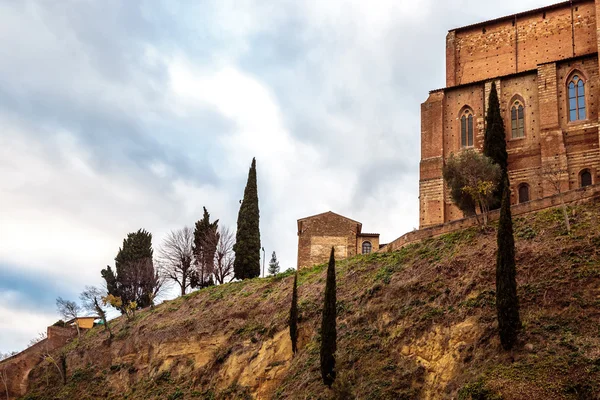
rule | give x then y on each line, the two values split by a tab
466	128
366	247
517	119
523	193
585	177
576	99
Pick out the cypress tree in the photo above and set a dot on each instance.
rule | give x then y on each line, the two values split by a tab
206	237
328	326
507	302
247	239
134	279
494	143
294	315
273	265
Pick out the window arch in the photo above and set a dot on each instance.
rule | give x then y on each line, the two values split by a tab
523	193
576	89
517	119
466	128
366	247
585	178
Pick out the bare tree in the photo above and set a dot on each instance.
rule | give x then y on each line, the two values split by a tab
176	258
91	300
50	360
142	282
69	310
224	256
553	174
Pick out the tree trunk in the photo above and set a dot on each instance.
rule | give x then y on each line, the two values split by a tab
110	335
565	214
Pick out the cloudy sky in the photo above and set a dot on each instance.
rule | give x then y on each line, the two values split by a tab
120	115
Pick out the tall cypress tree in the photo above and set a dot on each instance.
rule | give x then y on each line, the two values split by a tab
247	239
328	326
507	302
294	315
494	143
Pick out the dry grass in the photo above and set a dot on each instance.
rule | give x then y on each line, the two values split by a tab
417	323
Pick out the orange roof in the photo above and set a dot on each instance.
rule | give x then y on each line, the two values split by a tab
73	319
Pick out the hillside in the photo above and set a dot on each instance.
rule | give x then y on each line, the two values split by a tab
414	324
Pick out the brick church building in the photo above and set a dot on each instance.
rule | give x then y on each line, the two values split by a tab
545	66
319	233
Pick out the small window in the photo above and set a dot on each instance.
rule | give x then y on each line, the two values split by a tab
517	119
366	247
466	129
523	193
577	111
585	178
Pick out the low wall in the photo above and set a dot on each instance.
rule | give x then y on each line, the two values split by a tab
579	195
17	367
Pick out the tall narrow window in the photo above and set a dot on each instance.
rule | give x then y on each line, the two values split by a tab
517	119
585	177
466	129
366	247
576	99
523	193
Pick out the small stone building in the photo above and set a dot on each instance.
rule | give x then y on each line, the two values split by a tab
319	233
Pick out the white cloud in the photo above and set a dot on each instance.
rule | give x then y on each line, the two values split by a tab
116	119
292	177
17	328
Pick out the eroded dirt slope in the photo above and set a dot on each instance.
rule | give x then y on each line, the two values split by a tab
414	324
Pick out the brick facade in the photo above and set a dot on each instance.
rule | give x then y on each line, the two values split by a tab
531	57
319	233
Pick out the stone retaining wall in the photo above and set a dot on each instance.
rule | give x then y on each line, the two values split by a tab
17	367
574	196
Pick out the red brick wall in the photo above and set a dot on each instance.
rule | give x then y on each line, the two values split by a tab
590	193
514	45
431	199
58	336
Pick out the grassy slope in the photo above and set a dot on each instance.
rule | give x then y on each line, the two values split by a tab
418	323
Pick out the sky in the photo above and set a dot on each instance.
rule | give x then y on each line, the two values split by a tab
121	115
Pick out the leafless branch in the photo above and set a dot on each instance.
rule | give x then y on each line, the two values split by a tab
141	283
176	257
91	300
224	256
50	360
553	174
205	257
69	310
40	336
